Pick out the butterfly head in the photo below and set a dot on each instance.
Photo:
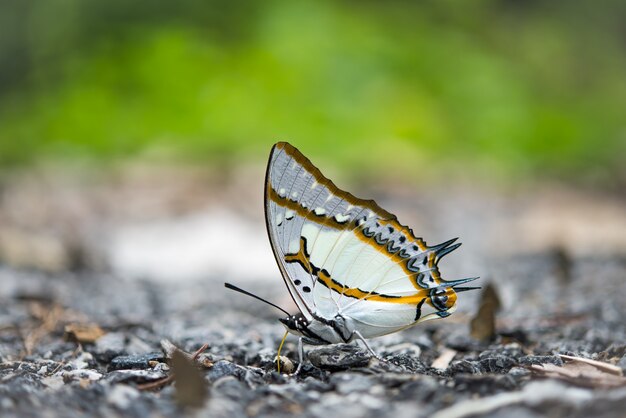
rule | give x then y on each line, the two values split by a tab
295	323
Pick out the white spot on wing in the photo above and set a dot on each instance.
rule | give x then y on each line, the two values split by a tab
281	192
279	219
320	211
341	218
294	194
289	214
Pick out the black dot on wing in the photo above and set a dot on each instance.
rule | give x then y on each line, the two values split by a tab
306	289
415	248
390	229
297	282
402	238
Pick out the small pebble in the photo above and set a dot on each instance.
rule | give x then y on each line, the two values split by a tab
138	361
134	376
225	368
339	357
286	365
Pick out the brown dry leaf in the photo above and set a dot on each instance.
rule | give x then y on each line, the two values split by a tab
582	372
170	350
83	333
191	388
483	325
562	265
48	317
605	367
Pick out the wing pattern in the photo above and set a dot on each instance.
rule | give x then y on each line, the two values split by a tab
341	254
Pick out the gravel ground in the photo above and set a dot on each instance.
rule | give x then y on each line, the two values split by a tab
81	342
435	369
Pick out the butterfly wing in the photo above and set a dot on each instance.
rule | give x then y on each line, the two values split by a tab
341	254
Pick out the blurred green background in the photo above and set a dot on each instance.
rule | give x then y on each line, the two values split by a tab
489	88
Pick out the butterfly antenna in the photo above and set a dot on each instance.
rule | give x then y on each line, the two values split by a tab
245	292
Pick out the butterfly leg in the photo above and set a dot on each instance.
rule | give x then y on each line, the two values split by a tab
372	352
300	357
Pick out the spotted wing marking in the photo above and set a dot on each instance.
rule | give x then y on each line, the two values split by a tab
297	194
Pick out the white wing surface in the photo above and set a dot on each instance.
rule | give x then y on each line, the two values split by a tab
341	254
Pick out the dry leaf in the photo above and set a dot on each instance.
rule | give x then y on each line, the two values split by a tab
582	372
169	349
562	265
483	325
83	333
191	388
48	316
605	367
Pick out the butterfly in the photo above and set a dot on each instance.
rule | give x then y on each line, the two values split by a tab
353	270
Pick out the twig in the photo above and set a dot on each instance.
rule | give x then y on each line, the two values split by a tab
199	351
157	383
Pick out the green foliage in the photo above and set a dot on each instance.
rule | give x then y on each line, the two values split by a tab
422	87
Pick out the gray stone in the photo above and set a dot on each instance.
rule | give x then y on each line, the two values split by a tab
422	389
407	363
530	360
339	357
121	396
347	382
485	384
465	366
110	345
80	374
225	368
53	382
497	364
82	361
137	361
134	376
231	387
410	349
